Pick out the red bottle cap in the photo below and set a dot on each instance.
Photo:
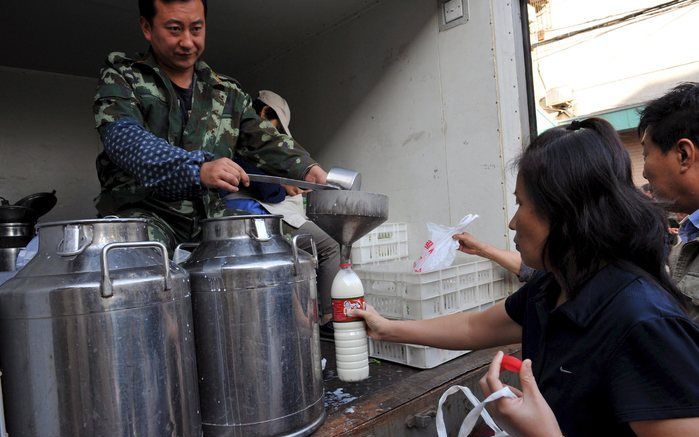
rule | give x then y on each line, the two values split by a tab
345	265
511	364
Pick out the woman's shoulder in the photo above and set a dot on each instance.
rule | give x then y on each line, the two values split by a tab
645	299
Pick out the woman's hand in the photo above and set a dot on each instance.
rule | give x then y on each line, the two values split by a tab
526	416
469	244
377	327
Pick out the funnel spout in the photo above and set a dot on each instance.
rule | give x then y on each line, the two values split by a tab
345	253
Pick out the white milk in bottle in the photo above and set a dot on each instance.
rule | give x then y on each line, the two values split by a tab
351	353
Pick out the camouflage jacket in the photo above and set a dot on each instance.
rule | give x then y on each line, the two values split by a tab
221	122
684	267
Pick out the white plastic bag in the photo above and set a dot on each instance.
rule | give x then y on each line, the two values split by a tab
440	250
472	417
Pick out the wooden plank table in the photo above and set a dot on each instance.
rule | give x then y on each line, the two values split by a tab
396	400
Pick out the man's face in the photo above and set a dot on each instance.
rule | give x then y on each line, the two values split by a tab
177	34
662	171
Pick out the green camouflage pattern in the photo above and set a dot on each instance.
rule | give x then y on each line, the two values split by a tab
158	229
222	122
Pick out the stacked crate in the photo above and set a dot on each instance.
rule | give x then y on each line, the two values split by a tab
388	242
397	292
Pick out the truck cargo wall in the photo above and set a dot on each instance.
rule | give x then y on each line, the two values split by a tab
430	118
47	140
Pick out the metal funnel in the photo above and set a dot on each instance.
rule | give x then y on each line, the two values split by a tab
347	215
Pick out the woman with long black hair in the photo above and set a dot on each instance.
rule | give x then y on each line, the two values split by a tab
604	333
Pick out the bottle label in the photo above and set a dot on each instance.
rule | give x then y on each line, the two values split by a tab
341	306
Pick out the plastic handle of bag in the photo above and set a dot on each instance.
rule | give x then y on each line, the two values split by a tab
472	417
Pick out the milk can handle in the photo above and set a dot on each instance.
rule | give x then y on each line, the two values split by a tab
295	250
182	246
259	225
187	246
106	285
85	238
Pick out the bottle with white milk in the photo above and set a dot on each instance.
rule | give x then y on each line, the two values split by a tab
351	353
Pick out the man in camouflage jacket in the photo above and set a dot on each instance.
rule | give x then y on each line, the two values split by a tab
171	126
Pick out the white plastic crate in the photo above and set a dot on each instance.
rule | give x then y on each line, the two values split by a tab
422	357
388	242
399	293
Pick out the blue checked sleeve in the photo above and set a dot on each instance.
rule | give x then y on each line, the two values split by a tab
171	171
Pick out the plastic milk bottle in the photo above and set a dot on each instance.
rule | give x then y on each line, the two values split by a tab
351	353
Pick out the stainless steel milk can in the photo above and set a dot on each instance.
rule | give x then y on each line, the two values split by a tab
256	326
96	337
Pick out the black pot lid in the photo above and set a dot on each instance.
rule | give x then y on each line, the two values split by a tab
40	203
17	214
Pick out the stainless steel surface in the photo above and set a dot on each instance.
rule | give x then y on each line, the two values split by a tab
347	215
77	364
3	429
256	328
8	260
286	181
344	178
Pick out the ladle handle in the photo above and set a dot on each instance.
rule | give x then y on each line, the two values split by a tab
295	250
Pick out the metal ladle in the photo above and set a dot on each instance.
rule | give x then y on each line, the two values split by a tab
338	179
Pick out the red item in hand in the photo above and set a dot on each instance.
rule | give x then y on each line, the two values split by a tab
511	364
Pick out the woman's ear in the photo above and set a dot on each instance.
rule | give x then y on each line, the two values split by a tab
264	114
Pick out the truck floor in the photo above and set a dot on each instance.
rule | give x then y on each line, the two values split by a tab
398	400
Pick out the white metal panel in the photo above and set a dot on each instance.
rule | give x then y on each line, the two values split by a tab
415	110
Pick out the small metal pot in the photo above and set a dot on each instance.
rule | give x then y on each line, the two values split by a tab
17	214
8	258
15	234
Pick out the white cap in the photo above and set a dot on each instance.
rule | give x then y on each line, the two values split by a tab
277	102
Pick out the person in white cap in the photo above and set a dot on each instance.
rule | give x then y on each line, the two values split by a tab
272	107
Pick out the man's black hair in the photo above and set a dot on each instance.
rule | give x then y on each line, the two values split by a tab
147	7
579	180
672	117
